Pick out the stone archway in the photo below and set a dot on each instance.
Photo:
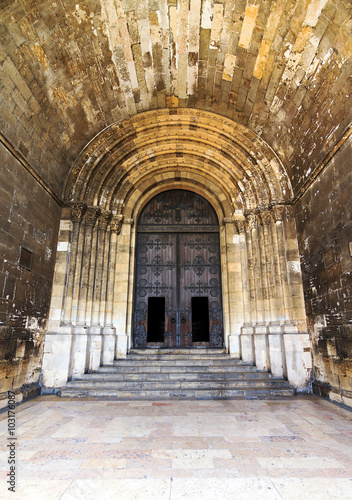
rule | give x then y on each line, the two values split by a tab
91	317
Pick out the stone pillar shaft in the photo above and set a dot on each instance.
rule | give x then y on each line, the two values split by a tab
67	313
88	257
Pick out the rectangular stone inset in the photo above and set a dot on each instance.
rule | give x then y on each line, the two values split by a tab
26	258
248	26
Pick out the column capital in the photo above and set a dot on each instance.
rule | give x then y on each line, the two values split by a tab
251	220
265	215
77	211
278	212
91	216
240	223
116	223
104	219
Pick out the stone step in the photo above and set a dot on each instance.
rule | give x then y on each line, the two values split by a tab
239	375
174	384
180	357
143	368
177	361
204	394
165	374
199	351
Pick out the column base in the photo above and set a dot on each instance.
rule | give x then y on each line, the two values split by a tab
95	347
247	344
109	343
261	347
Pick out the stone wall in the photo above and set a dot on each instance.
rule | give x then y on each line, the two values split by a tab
324	221
29	218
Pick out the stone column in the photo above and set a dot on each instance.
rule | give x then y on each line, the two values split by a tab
121	288
79	360
109	337
90	218
99	293
261	339
238	281
76	287
251	223
95	330
276	342
266	251
295	334
258	331
57	347
240	225
77	213
278	211
248	282
277	283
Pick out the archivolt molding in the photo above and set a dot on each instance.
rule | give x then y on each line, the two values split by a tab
179	144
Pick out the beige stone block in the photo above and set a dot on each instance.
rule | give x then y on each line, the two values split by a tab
121	346
109	342
56	361
248	26
276	353
234	346
298	373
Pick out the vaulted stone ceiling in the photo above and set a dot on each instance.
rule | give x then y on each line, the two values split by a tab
69	69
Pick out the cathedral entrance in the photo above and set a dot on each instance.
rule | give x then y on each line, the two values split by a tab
178	279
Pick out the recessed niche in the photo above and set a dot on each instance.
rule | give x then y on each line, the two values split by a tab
26	258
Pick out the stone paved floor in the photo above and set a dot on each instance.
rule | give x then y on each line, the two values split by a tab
92	449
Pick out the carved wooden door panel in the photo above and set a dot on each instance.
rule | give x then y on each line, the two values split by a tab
156	290
200	291
178	280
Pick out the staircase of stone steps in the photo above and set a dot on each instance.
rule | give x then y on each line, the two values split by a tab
178	374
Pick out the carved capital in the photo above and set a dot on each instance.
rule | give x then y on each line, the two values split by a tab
116	223
265	216
240	223
91	216
278	212
77	211
104	219
251	221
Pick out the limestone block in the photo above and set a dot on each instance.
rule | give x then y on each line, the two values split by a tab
276	352
121	346
247	344
79	356
261	347
56	359
94	348
109	343
298	372
234	346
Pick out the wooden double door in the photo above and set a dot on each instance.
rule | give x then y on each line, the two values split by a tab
178	282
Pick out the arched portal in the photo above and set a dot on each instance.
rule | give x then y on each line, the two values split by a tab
178	292
113	183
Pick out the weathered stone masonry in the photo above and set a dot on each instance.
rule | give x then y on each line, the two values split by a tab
274	75
29	217
324	221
